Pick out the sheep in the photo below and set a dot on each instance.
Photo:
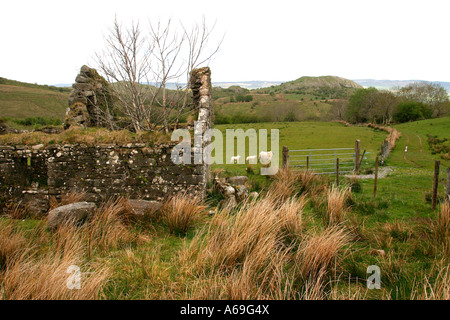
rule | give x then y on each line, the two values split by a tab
252	159
265	157
235	159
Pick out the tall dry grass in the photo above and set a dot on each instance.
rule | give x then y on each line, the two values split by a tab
36	266
182	212
317	253
35	276
67	198
248	253
336	208
107	230
11	244
290	214
436	285
442	225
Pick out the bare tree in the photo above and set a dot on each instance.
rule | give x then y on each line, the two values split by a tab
140	64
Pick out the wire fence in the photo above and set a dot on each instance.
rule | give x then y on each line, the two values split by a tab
409	186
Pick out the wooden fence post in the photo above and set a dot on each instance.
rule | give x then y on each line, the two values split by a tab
337	172
435	184
285	157
357	152
448	184
307	162
375	178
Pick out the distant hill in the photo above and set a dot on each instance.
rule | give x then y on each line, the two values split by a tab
247	84
20	100
325	87
390	84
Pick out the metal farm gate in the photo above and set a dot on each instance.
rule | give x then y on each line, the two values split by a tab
323	161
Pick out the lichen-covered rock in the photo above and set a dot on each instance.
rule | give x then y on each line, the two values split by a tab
237	180
71	213
241	193
143	208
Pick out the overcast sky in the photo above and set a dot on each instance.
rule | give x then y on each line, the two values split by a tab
47	42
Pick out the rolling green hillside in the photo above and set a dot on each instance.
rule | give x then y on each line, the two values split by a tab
326	87
20	100
307	98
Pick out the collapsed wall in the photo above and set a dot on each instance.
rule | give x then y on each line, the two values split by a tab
33	174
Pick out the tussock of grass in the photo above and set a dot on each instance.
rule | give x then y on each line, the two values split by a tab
318	252
442	227
183	212
36	266
11	244
336	208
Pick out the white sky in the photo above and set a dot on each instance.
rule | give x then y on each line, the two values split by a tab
47	42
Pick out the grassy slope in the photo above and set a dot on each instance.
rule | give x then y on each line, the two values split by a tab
21	102
276	108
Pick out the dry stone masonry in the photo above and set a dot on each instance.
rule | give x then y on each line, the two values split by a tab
88	101
200	84
32	174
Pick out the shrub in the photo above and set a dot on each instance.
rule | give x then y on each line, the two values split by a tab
411	111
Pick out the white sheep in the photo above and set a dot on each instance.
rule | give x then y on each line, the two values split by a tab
235	159
265	157
252	159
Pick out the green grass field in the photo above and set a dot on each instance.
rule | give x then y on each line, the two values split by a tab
312	135
20	102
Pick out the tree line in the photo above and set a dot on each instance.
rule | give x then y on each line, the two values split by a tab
421	100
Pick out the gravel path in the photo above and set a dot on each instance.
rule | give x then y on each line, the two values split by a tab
382	173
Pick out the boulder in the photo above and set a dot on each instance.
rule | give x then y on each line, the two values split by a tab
241	193
254	195
71	213
237	180
227	191
143	208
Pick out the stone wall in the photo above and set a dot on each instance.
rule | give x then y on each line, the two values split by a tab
89	101
33	174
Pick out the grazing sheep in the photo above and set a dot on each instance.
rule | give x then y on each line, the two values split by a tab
265	157
253	159
235	159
